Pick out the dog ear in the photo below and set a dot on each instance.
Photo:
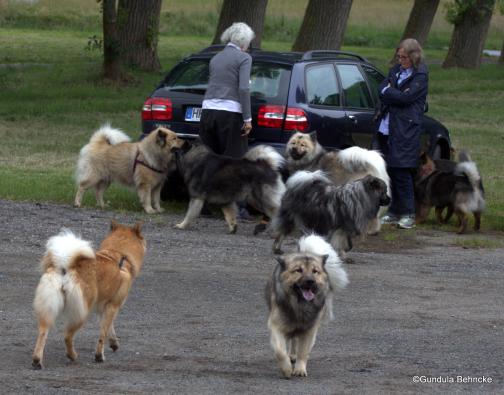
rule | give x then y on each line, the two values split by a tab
281	262
137	228
374	182
113	225
161	137
313	136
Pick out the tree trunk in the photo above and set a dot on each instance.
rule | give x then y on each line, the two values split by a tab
469	36
323	26
420	20
251	12
501	57
111	46
138	33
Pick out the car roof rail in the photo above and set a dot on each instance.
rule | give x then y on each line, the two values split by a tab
218	47
329	53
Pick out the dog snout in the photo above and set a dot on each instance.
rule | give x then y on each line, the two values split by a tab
295	153
309	283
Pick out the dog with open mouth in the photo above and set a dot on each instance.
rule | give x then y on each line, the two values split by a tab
299	295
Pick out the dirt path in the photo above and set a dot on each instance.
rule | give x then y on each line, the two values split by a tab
195	321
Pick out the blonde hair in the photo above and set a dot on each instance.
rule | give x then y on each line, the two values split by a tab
413	49
238	33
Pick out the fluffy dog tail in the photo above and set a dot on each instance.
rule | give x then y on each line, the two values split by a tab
468	168
337	275
58	292
108	134
303	177
356	159
268	154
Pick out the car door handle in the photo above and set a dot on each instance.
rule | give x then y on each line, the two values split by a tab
352	118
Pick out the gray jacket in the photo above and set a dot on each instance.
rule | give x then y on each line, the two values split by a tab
230	78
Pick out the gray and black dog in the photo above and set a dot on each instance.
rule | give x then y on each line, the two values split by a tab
312	203
299	295
223	181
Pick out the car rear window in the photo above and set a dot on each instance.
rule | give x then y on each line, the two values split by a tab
189	76
270	82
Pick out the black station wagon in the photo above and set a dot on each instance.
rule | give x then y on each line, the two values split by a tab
332	92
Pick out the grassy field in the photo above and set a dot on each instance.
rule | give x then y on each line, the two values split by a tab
52	97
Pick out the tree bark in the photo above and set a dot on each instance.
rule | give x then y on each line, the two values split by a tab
111	46
138	33
501	57
469	36
323	26
420	20
251	12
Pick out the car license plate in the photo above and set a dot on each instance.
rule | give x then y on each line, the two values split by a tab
193	114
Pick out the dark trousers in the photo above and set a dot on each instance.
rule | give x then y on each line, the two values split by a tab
403	194
221	132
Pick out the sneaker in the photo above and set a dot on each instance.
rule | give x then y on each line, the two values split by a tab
406	222
389	219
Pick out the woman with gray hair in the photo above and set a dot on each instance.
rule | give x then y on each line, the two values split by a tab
226	119
403	96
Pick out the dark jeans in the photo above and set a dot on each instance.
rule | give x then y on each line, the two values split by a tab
403	194
221	132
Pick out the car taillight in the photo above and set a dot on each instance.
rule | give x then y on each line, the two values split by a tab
157	109
270	116
274	117
296	119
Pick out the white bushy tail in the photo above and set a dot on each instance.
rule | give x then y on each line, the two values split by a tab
306	177
337	275
108	134
476	202
357	159
267	153
58	290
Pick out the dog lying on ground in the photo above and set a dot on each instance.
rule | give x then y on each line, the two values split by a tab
299	295
223	181
455	186
304	152
77	280
111	156
312	203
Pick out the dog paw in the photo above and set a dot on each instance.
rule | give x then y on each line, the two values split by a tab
286	372
150	210
72	356
299	372
99	358
36	364
179	226
114	345
233	229
160	210
277	251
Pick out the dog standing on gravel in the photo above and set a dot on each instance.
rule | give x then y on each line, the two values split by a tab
111	156
299	295
304	152
223	181
312	203
77	280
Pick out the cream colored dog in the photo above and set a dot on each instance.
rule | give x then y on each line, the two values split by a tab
111	156
76	280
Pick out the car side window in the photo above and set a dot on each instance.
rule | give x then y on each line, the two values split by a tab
354	86
375	78
321	86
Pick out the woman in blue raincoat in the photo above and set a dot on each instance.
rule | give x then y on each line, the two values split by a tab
403	95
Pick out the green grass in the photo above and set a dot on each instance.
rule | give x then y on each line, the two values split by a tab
52	97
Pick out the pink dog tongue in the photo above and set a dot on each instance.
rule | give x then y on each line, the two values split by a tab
308	294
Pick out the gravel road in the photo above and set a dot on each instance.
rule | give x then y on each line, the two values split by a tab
418	305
